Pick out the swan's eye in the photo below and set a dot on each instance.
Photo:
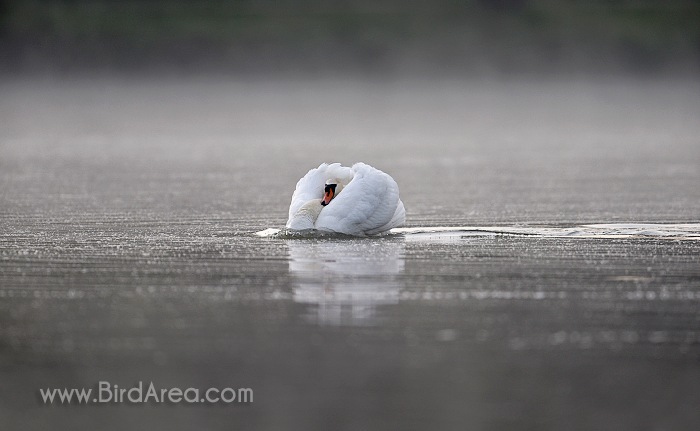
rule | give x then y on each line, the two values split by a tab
330	187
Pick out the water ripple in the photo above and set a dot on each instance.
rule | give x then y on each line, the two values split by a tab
685	231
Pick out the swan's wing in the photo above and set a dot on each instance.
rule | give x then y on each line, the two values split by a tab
397	220
311	185
369	204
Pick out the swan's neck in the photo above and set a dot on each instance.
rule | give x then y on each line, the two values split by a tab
305	217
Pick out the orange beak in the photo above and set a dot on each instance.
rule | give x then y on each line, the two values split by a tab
328	196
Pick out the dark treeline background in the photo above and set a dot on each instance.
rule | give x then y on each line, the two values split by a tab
473	37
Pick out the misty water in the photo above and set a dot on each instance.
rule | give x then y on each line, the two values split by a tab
548	276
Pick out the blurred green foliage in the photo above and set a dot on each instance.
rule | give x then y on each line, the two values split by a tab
421	35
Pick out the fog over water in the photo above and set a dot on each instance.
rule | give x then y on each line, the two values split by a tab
128	212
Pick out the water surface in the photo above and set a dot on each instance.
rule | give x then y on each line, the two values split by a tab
128	213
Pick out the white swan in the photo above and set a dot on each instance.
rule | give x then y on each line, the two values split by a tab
356	201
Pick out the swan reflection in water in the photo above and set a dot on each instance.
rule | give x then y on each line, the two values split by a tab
345	281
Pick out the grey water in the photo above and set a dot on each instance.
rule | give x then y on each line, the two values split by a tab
128	213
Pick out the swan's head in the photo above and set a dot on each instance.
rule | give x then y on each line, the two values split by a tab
331	190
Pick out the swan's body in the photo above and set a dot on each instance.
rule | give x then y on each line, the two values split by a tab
358	201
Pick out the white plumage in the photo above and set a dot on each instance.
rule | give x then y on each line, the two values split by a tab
367	201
